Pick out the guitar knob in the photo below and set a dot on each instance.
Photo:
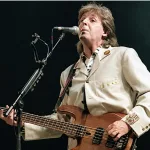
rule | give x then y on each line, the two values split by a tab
32	89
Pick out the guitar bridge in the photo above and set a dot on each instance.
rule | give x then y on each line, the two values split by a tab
122	142
118	145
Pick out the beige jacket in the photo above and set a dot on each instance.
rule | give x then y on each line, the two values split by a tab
118	82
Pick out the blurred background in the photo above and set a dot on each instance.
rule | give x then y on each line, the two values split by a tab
19	20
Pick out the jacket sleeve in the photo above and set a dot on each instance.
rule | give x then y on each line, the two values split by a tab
34	132
138	77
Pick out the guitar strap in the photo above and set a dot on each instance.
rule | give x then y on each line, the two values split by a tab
65	89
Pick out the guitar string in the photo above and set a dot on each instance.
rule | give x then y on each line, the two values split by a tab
79	130
58	121
104	137
70	133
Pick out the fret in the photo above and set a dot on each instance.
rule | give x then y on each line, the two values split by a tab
65	127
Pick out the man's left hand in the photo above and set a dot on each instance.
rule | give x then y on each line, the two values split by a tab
118	129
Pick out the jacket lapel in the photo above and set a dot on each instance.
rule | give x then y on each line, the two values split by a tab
103	53
82	67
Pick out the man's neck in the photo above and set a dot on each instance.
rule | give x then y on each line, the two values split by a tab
88	51
90	47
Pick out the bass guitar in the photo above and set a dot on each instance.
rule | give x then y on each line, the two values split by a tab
89	130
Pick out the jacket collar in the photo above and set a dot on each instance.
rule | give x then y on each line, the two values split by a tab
102	54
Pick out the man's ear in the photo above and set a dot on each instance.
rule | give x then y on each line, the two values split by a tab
104	35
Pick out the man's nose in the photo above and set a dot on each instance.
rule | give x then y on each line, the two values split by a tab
85	21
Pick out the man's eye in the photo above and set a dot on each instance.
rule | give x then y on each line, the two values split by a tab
81	20
93	20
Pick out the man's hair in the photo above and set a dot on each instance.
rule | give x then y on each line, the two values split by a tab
107	22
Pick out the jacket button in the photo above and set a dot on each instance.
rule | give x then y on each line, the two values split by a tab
87	81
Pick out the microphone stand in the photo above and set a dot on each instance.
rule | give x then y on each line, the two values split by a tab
31	83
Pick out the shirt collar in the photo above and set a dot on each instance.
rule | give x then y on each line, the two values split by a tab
83	57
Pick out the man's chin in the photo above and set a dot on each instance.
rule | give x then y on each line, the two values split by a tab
83	37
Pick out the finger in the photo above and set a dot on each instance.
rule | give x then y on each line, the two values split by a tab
1	114
109	127
114	134
15	123
7	106
11	114
117	137
111	131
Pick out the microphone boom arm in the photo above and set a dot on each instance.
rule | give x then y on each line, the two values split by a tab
34	79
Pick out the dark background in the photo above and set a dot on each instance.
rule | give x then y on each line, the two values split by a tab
19	20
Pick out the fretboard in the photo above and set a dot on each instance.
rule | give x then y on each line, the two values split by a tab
67	128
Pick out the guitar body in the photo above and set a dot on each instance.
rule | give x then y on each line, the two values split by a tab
103	121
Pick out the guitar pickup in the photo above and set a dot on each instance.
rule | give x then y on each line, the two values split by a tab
98	136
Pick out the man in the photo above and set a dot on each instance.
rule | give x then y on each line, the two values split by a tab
107	78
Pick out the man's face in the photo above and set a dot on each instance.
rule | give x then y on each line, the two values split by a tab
90	27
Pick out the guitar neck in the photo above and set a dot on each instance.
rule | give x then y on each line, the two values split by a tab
72	130
64	127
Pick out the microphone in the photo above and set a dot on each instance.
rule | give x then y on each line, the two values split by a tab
74	30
